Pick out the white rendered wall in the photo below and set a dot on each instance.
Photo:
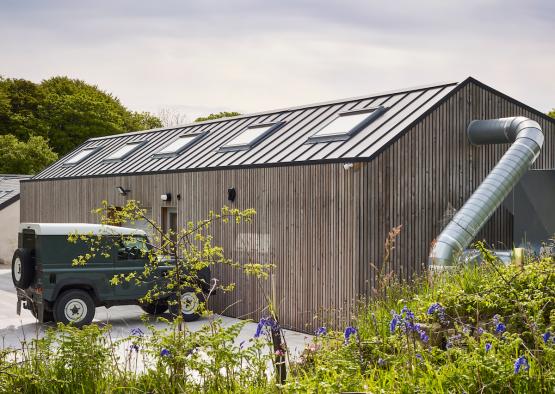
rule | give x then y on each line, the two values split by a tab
9	224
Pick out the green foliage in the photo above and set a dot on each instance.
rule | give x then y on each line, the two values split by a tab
219	115
187	252
465	348
65	111
552	113
18	157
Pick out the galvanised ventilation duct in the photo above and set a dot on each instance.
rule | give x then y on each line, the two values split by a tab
528	140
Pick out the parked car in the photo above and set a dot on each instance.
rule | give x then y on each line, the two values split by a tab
53	289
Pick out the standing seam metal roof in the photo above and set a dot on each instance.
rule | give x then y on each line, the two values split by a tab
9	189
288	145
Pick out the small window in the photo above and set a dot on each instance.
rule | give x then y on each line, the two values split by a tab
179	145
125	150
250	137
346	125
81	155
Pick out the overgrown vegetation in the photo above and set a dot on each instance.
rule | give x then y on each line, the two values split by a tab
485	328
219	115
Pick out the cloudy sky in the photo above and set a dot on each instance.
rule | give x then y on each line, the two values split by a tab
198	57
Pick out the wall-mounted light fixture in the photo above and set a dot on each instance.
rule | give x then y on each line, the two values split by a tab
166	197
122	191
231	194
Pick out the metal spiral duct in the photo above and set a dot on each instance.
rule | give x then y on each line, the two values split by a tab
527	138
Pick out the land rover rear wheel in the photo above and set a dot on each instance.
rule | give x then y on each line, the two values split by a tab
23	269
190	304
74	306
47	316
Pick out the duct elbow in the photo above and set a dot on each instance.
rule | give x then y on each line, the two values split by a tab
527	138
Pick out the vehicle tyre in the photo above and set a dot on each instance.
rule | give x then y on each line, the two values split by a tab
74	306
47	316
190	301
23	269
155	308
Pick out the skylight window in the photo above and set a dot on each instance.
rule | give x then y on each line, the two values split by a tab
125	150
346	125
250	137
81	155
179	145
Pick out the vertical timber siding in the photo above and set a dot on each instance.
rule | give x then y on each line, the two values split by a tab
432	170
321	224
306	224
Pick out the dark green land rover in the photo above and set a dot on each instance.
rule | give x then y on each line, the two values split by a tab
54	290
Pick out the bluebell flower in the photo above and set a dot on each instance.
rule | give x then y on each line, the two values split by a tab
350	331
321	331
137	332
436	307
546	337
395	320
165	353
134	347
419	356
265	322
452	340
407	313
480	331
381	362
521	362
500	328
496	319
488	347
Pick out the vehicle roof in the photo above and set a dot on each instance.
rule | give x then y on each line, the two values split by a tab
81	228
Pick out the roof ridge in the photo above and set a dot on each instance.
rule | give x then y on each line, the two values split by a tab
281	110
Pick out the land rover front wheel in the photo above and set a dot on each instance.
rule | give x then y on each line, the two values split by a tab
190	305
22	268
155	308
74	306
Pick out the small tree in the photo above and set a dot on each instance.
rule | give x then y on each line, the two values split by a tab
186	252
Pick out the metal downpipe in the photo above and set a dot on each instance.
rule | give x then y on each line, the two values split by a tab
527	138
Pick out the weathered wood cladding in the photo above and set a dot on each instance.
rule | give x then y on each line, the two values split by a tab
306	224
431	170
323	225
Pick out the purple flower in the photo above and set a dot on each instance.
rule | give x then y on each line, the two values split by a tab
546	337
500	328
436	307
321	331
381	362
480	331
137	332
407	313
350	331
395	320
419	356
488	347
452	340
165	353
520	363
134	347
265	322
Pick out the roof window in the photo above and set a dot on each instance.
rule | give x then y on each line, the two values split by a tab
346	124
81	155
179	145
125	150
251	136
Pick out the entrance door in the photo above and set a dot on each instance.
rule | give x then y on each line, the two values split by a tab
169	220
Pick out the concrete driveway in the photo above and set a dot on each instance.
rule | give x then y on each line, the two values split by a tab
14	328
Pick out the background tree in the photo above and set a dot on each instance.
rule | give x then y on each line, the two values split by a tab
219	115
552	113
19	157
65	111
171	117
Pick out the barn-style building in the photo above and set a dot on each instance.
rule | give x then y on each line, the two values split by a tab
328	182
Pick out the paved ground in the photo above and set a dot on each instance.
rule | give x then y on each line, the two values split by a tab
14	328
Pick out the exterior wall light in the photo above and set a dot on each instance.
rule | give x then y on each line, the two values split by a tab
231	194
122	190
166	197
